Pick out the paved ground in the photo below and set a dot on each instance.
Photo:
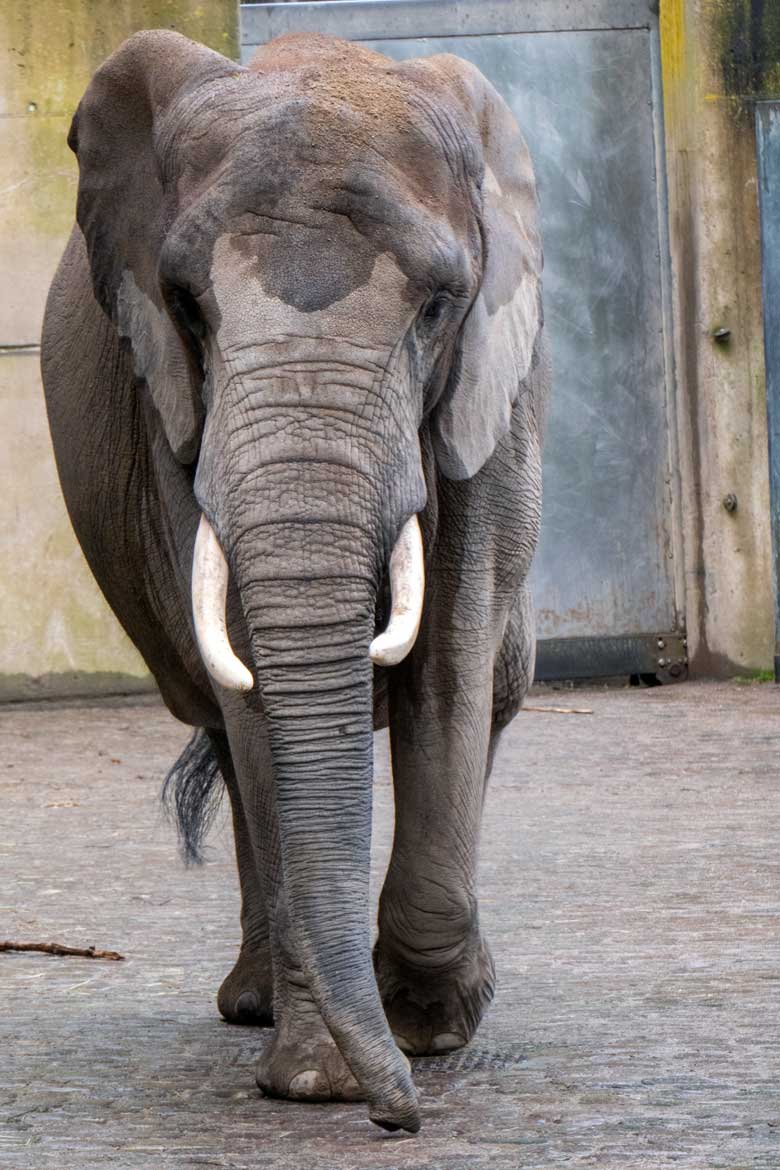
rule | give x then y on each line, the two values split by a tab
631	889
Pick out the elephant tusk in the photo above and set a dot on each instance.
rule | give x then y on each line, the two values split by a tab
209	594
407	586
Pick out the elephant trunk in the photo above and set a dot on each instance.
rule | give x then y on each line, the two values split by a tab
310	634
318	701
306	501
310	615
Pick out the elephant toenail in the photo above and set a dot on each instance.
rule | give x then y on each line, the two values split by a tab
446	1042
402	1042
247	1005
309	1084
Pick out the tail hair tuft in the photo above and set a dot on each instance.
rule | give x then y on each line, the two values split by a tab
192	793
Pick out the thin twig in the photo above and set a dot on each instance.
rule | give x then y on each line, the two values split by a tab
59	949
561	710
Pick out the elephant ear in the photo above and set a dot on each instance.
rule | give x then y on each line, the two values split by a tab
500	339
123	210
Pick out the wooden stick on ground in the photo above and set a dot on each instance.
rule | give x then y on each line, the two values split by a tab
59	949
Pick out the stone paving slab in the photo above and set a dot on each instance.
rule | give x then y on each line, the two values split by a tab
631	890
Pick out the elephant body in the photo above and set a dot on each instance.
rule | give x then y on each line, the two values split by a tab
302	301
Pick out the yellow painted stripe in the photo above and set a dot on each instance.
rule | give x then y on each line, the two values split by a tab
672	29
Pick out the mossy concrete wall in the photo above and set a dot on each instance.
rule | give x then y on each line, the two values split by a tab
718	56
57	635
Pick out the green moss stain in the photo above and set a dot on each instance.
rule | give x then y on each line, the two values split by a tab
748	39
759	394
72	684
753	677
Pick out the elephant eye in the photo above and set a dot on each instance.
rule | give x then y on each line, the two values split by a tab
186	313
186	310
434	308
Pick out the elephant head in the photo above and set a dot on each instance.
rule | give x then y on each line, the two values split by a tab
326	267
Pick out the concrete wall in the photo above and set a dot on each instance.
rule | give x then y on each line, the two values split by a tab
718	56
57	635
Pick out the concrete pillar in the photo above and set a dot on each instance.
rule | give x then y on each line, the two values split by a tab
57	635
717	56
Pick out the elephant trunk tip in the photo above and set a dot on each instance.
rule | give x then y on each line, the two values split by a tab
410	1121
400	1107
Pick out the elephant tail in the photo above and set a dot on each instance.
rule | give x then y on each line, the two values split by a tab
192	792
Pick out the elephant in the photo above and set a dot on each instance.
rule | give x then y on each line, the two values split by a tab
295	372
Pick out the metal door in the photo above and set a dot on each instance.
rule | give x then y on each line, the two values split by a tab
584	83
768	149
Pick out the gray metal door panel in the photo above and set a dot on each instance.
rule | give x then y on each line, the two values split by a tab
584	98
768	145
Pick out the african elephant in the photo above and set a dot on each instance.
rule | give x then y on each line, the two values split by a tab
294	368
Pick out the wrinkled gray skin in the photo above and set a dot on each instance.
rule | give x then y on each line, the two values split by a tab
303	298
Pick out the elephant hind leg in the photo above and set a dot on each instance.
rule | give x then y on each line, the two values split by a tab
246	993
193	790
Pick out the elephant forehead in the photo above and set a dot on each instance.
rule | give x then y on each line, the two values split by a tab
311	263
277	130
306	287
319	188
373	142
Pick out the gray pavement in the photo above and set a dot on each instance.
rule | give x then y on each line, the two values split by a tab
630	889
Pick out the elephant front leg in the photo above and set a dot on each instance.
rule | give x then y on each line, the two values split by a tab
433	966
246	994
301	1060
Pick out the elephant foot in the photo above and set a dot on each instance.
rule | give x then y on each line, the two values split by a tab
432	1012
302	1063
246	994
